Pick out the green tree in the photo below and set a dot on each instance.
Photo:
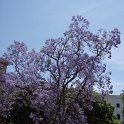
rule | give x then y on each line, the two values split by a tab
123	104
102	113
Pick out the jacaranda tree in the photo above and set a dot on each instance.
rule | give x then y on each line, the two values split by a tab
74	61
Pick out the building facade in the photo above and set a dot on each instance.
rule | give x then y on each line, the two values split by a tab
116	102
3	66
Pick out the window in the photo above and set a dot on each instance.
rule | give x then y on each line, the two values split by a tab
118	105
118	116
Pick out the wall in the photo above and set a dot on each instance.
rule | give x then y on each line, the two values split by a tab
116	101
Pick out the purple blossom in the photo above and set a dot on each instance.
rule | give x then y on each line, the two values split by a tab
71	66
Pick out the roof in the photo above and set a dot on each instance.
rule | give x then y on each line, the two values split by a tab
4	61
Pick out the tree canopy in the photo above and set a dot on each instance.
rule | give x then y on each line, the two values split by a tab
102	113
72	61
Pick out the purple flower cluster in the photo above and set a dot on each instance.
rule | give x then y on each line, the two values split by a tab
59	80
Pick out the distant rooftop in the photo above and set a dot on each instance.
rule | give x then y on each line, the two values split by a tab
3	66
3	61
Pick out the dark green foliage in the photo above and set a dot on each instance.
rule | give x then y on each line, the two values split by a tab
102	113
20	112
123	104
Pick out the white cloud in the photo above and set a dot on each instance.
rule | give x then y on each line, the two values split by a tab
102	9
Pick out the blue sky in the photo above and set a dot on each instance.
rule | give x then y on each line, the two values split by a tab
34	21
